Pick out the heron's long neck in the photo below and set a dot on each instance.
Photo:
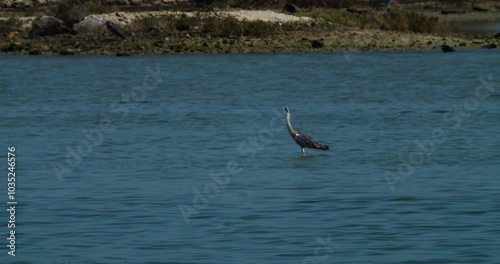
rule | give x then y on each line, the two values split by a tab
289	126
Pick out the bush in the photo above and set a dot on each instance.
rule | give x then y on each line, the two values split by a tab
213	26
393	20
410	21
185	23
9	25
164	24
232	27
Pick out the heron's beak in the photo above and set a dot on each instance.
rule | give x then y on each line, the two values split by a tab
286	109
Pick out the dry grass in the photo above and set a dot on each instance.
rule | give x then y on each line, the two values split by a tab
205	26
403	21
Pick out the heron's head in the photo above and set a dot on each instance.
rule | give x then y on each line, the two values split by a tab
286	109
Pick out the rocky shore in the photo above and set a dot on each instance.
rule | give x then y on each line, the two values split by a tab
222	31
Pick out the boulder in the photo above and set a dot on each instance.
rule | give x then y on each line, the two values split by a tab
489	46
317	43
447	48
356	10
69	51
452	11
26	27
480	9
89	25
48	26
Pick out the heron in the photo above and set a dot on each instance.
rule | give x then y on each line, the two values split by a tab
302	139
115	29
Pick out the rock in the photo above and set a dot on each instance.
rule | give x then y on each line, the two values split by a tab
356	10
453	11
317	44
122	54
26	27
89	25
290	7
497	35
13	34
136	2
480	9
489	46
48	26
13	47
447	48
35	52
69	51
158	43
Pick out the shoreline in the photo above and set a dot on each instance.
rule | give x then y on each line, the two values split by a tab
277	32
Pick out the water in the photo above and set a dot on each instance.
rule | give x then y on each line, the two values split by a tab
422	124
490	28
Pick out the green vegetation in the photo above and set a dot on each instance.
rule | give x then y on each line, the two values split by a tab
409	21
9	25
231	27
403	21
205	26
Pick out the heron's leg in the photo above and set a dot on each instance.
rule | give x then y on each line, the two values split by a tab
303	152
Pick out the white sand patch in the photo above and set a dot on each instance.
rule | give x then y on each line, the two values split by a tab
249	15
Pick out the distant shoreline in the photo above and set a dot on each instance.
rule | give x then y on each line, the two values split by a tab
258	31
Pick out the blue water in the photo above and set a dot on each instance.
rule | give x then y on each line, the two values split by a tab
197	165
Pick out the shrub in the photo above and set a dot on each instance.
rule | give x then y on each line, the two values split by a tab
11	24
410	21
184	23
232	27
393	20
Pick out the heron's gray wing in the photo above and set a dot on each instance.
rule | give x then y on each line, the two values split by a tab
115	29
307	141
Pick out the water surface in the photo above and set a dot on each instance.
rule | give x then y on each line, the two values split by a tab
374	197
